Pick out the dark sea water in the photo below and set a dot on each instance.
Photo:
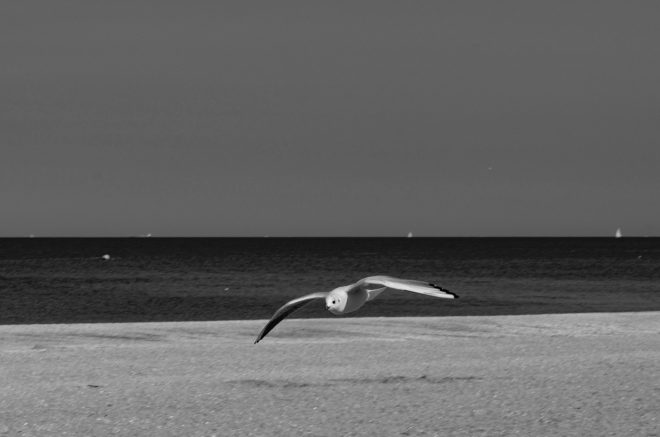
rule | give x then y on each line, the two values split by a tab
65	280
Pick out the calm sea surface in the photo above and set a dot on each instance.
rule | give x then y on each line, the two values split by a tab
65	280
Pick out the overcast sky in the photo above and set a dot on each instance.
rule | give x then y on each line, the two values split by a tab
466	118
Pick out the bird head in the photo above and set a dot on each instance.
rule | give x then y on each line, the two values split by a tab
335	302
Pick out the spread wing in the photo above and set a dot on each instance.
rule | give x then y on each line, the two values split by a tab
405	285
287	309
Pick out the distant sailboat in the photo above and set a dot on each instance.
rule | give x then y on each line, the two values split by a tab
618	233
410	234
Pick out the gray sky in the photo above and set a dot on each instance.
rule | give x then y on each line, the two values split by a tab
329	118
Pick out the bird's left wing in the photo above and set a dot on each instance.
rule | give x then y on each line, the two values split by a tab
407	285
287	309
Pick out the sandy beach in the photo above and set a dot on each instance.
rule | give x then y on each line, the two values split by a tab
565	374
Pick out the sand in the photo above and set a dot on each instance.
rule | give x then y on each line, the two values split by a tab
573	374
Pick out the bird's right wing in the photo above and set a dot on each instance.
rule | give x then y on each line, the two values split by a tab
421	287
287	309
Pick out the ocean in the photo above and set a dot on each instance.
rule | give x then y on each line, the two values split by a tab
67	280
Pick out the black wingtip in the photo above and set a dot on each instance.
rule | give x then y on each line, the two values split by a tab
444	289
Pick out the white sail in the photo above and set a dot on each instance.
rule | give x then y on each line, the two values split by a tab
410	234
618	233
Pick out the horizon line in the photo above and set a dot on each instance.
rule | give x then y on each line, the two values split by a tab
320	236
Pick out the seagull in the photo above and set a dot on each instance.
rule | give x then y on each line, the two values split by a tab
349	298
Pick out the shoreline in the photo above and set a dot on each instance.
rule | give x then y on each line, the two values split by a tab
320	314
355	318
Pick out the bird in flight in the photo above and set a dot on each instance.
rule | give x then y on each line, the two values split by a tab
349	298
